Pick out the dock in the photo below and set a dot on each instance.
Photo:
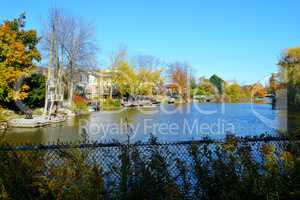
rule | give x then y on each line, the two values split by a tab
38	121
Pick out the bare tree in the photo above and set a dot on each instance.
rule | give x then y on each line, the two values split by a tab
147	61
51	39
70	44
80	49
118	56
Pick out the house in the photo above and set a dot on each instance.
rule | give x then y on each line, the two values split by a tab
171	90
92	84
99	85
105	84
42	70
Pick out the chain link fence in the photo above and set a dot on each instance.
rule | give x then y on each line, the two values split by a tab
184	170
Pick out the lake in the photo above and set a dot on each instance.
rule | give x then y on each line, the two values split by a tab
169	122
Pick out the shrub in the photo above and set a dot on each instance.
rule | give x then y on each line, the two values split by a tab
80	104
229	170
111	104
37	90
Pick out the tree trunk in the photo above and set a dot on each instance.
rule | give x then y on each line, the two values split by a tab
46	100
110	92
71	85
71	90
50	109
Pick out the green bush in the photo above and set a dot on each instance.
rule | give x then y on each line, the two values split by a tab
37	90
78	108
111	104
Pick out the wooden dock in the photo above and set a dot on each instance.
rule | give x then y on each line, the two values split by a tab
33	123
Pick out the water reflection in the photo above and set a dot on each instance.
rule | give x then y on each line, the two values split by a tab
168	123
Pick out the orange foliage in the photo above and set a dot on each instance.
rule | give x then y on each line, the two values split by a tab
17	52
78	100
179	81
258	90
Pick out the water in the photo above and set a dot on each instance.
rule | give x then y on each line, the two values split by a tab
167	123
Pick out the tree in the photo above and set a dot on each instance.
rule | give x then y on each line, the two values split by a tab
273	83
205	88
118	59
140	78
70	43
126	79
193	83
234	93
37	90
218	83
179	78
148	74
290	77
18	54
258	90
146	61
148	80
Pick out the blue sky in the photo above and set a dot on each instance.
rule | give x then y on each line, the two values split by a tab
238	40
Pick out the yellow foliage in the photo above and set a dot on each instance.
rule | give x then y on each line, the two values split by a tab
17	52
268	149
288	159
135	82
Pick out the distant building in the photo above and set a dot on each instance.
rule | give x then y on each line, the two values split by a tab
99	85
42	70
105	84
93	84
171	90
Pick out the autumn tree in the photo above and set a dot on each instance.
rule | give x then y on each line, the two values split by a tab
118	62
148	80
18	54
234	93
125	79
179	78
148	72
140	77
258	90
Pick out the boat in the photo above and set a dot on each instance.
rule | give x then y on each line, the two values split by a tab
91	109
156	102
151	106
57	119
171	100
128	104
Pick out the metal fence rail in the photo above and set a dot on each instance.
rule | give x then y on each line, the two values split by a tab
95	144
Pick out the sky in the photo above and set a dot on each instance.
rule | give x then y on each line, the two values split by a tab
238	40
